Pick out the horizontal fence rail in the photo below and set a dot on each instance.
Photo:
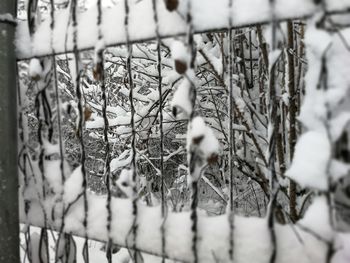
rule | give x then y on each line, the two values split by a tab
171	24
251	234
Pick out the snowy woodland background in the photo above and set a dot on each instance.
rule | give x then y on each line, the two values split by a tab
150	132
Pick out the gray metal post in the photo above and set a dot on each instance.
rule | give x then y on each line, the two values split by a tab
9	221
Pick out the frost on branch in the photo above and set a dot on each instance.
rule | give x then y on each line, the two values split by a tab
181	56
325	116
312	153
317	218
125	183
35	69
322	110
98	60
183	96
182	99
202	145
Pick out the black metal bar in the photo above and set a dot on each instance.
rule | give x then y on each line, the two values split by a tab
80	127
133	131
9	221
272	117
231	136
159	69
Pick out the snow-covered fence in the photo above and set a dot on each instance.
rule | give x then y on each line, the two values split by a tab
209	16
51	197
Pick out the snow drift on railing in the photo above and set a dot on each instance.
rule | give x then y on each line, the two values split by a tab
209	15
296	243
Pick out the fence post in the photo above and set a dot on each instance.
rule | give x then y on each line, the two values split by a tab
9	221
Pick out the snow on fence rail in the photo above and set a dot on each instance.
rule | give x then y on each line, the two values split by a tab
209	16
52	198
252	243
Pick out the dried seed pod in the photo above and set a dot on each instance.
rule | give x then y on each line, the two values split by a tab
36	69
180	66
126	80
171	5
197	140
98	71
36	77
87	113
213	158
77	132
69	109
174	111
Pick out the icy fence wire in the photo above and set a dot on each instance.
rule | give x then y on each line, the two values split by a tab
53	198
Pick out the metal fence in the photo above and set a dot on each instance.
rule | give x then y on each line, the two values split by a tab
52	198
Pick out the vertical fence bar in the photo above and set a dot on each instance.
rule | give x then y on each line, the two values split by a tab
192	161
161	132
9	227
63	238
99	72
133	131
81	120
272	115
231	132
292	116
